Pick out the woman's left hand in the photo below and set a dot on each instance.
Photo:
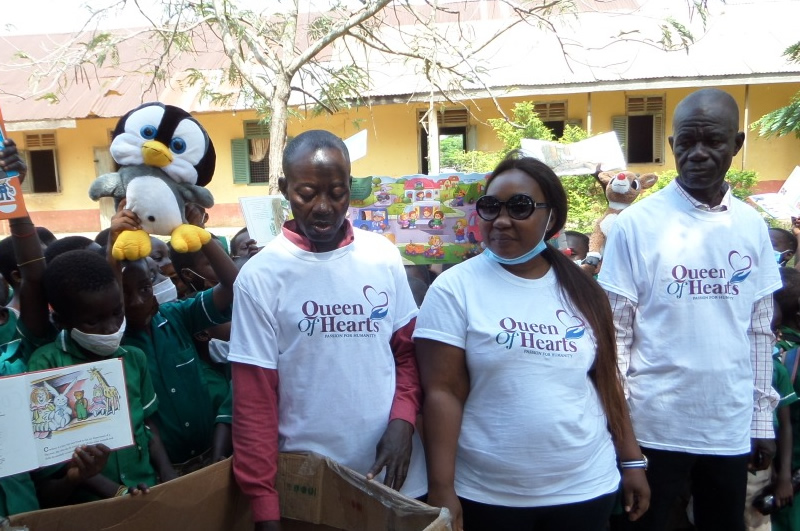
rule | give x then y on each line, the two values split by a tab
636	492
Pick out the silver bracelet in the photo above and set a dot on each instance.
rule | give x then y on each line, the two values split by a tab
642	463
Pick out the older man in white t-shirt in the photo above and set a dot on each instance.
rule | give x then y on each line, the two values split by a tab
690	274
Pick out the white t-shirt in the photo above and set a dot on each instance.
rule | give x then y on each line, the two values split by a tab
693	277
533	433
324	321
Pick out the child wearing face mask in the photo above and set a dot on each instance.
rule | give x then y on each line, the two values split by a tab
195	401
86	299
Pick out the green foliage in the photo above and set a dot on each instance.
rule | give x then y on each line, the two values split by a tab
781	121
572	134
785	120
473	161
742	182
586	200
524	124
450	147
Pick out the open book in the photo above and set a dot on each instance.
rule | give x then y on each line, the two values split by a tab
264	216
580	158
45	415
785	204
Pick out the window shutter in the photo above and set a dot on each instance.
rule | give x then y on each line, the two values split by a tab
27	185
620	126
256	129
551	111
241	161
658	138
472	138
448	118
40	141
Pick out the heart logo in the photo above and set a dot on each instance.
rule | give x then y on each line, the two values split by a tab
379	301
741	265
739	262
575	327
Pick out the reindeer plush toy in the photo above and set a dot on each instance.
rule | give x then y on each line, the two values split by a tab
622	189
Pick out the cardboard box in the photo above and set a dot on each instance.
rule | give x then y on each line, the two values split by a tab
316	494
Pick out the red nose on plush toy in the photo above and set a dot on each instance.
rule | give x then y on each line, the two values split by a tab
621	176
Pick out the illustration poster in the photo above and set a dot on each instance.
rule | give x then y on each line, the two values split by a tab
431	218
45	415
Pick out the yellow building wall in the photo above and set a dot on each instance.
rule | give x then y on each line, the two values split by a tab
393	144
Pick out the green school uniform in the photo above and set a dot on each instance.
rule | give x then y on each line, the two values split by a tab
17	492
782	383
191	394
128	466
788	518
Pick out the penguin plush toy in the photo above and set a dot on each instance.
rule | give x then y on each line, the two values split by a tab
166	158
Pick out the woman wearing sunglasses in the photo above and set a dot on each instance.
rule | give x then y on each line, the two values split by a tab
525	421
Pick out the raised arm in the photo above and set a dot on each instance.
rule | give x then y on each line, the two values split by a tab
34	313
218	259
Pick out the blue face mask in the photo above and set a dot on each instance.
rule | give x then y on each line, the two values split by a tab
779	256
530	255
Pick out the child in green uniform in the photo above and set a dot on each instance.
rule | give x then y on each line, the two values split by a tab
22	329
787	317
194	415
87	304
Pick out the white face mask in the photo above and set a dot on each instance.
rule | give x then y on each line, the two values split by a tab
165	291
101	344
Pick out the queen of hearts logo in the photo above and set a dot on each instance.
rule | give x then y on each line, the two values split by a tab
574	325
741	265
379	301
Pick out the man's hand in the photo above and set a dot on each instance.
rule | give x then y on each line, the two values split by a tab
394	453
761	453
87	462
10	160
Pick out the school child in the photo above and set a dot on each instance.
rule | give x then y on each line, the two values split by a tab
193	419
787	317
8	264
71	243
242	245
86	299
778	478
22	329
194	269
784	245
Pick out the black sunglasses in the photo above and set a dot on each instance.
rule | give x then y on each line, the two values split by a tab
518	206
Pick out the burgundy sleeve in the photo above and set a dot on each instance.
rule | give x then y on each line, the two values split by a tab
408	391
255	437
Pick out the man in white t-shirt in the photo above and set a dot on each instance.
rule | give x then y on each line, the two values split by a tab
321	349
690	272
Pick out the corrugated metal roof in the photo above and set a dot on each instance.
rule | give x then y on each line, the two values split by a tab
744	41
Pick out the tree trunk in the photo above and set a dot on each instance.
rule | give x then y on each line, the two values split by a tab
277	131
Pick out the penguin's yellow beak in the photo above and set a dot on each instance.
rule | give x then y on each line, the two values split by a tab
156	154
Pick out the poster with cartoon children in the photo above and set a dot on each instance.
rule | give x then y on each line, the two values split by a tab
53	408
431	218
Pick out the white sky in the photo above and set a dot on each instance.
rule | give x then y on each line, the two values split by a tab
26	17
